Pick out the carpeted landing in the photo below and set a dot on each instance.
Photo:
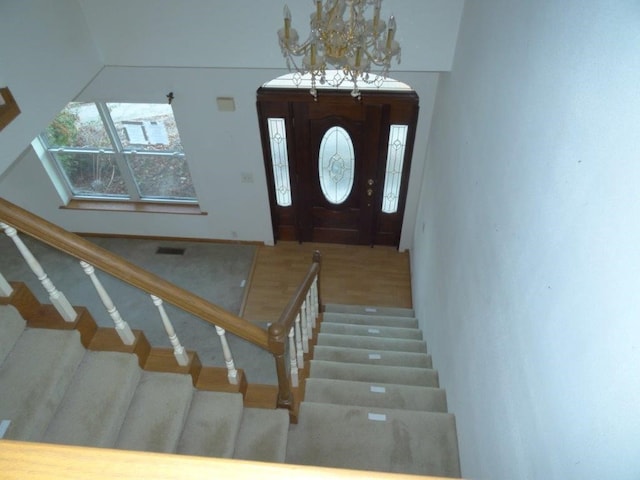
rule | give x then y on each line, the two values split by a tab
371	403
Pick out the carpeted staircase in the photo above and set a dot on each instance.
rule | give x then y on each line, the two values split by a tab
53	390
372	400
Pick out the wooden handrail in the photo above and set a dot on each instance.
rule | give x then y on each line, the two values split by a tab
278	331
293	307
114	265
20	460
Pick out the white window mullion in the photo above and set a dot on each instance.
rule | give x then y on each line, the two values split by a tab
123	165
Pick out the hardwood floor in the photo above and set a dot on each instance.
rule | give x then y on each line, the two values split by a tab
359	275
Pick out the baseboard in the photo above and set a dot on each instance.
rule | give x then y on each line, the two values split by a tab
163	238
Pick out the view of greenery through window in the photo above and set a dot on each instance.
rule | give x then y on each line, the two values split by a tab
120	150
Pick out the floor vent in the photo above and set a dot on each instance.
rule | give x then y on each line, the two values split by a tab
170	251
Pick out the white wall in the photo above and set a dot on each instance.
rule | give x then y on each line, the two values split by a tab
200	53
527	257
46	57
220	147
243	33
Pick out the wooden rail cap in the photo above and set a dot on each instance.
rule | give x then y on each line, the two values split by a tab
35	461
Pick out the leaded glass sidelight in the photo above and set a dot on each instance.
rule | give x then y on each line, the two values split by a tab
336	163
393	172
280	160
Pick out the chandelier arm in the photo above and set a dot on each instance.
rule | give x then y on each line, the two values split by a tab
297	49
342	37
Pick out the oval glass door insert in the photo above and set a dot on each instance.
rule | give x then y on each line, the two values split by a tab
336	163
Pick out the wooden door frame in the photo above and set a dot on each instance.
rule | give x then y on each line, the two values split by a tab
403	107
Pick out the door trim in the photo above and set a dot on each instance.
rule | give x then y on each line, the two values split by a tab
395	108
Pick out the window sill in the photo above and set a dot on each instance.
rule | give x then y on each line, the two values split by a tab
127	206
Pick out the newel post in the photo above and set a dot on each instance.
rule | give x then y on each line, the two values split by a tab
277	338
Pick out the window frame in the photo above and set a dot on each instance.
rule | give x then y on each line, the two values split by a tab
133	200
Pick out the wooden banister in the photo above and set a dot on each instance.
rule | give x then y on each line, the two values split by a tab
27	460
293	307
278	332
114	265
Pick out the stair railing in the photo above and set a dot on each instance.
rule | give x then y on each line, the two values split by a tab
58	299
294	329
16	218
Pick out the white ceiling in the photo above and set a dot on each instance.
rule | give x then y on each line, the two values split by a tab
242	33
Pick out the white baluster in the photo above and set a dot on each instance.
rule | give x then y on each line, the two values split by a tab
57	298
178	350
122	327
232	373
305	327
298	338
310	319
5	288
314	301
293	359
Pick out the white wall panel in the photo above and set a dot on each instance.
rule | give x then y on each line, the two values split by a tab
526	256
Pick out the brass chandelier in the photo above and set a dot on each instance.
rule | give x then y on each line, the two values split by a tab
341	37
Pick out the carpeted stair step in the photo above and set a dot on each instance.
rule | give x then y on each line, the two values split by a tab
11	327
371	331
34	378
263	435
371	357
372	343
94	407
371	394
157	413
375	439
374	373
359	319
369	310
212	425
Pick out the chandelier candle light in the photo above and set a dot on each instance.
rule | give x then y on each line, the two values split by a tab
341	37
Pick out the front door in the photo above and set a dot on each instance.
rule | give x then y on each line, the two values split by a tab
337	145
347	180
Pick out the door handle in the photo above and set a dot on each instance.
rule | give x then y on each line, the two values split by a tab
370	190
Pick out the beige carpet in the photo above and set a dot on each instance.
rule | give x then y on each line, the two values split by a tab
55	391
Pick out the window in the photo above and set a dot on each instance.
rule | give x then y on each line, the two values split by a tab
336	164
280	160
120	151
393	172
